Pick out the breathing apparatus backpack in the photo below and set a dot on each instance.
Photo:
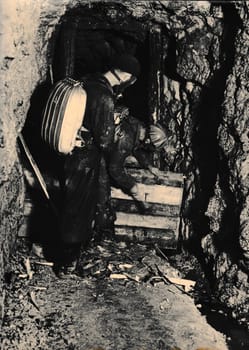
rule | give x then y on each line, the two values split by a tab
63	115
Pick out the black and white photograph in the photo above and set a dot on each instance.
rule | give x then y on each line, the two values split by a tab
124	175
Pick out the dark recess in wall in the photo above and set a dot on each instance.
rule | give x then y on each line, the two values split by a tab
94	49
171	59
206	150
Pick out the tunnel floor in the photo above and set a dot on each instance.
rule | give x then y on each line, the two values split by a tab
121	300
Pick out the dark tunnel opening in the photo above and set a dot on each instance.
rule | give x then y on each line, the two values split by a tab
84	48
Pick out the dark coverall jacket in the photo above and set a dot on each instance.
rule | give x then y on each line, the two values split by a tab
82	167
127	143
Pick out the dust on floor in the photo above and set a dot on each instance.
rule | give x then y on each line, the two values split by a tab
121	299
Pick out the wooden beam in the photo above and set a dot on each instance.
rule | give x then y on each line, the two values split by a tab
155	217
153	194
166	178
165	238
155	40
146	221
128	206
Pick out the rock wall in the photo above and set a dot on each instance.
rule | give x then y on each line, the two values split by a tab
23	65
207	120
226	247
203	107
17	58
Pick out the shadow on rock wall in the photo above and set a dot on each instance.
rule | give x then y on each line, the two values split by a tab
42	225
207	152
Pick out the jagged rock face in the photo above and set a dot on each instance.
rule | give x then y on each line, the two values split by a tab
236	143
23	65
198	68
232	258
17	56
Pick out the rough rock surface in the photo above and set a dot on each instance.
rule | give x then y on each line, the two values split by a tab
231	259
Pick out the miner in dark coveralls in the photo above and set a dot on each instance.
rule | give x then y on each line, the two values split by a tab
82	166
132	138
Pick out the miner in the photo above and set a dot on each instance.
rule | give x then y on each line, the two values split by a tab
82	166
132	138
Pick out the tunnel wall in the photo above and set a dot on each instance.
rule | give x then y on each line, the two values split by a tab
23	65
207	142
226	247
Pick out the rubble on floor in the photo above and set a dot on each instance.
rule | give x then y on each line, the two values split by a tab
124	296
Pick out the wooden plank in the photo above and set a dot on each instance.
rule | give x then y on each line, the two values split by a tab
155	218
165	238
153	194
129	206
146	221
155	97
166	178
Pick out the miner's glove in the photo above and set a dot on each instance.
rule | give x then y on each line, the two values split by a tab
134	191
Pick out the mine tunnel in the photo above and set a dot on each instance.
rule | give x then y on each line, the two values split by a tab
193	82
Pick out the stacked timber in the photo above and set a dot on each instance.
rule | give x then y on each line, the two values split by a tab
155	215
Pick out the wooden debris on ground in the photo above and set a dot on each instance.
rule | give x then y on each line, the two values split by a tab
28	268
125	266
187	284
33	299
44	263
118	276
157	274
39	288
124	276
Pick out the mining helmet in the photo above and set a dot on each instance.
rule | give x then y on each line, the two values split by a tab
127	63
157	136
